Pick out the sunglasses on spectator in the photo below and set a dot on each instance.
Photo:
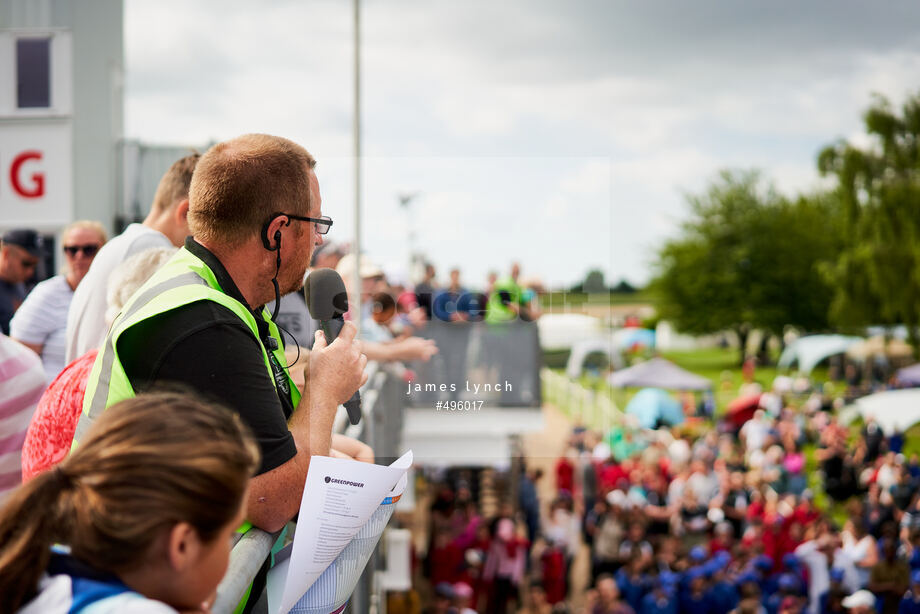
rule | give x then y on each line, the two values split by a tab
89	250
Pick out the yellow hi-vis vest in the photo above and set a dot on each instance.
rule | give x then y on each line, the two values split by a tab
184	279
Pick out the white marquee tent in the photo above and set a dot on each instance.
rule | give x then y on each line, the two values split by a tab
892	409
809	351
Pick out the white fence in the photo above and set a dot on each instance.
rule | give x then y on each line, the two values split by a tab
588	407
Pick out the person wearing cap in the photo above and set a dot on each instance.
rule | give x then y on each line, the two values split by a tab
443	598
255	213
860	602
787	586
831	600
746	583
661	599
910	602
20	252
165	226
373	281
41	321
721	593
694	599
793	565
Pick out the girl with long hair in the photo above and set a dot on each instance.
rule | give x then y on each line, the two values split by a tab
138	518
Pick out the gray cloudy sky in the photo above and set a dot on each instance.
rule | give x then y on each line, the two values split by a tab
561	134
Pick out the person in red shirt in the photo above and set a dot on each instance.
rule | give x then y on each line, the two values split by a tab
565	475
805	512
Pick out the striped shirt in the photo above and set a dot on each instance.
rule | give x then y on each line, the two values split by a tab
42	320
22	382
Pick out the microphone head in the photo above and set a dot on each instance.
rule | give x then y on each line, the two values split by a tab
325	294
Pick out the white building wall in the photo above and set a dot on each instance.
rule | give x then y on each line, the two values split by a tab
59	163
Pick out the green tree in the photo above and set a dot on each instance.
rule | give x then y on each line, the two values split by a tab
877	275
594	282
747	258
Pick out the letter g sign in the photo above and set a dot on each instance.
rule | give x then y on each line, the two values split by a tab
37	185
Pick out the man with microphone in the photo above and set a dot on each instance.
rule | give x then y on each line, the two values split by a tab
255	215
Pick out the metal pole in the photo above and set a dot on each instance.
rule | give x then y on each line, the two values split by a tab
360	597
404	201
356	130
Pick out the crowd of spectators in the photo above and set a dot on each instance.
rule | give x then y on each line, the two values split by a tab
792	512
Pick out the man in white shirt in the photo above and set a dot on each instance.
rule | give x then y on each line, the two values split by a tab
40	323
165	226
820	556
755	431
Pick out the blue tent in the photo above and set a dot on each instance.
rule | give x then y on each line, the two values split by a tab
654	406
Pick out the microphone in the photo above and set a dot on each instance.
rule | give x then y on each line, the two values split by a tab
327	301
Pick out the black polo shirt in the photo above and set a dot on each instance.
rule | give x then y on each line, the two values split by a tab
206	347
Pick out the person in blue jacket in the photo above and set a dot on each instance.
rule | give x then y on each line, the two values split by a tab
633	584
762	567
793	565
910	603
788	586
694	599
662	599
721	593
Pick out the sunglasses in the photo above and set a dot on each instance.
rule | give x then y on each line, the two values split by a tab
89	250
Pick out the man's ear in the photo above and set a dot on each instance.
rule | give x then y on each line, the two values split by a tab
182	211
182	546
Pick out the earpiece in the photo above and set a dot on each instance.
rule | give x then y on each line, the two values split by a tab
266	241
277	249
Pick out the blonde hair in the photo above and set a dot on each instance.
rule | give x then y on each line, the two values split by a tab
94	226
174	185
239	184
149	463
